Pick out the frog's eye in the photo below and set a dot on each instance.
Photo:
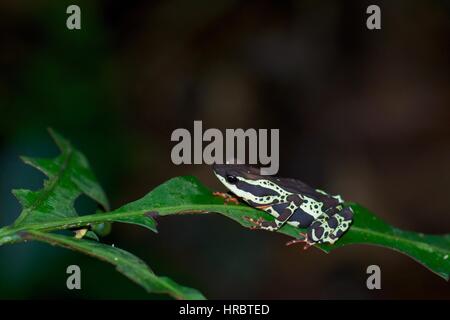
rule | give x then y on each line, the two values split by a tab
231	179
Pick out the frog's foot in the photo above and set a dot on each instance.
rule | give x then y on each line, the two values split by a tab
256	223
260	223
304	240
228	198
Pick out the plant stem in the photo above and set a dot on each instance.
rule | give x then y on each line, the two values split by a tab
12	234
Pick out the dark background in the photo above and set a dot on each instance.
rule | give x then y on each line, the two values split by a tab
361	113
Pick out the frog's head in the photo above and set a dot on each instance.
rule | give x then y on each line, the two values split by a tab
244	181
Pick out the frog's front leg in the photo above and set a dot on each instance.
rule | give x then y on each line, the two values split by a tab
260	223
280	217
227	197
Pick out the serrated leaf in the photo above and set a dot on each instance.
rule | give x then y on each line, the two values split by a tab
125	262
51	208
69	176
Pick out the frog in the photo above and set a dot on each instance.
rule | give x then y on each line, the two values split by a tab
290	201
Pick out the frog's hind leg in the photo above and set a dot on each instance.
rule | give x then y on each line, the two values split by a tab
313	234
344	219
328	229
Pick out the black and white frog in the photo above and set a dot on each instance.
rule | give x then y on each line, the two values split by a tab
289	201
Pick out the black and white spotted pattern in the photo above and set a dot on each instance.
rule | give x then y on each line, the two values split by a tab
289	201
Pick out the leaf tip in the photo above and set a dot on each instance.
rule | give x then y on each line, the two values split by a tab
60	141
27	160
22	196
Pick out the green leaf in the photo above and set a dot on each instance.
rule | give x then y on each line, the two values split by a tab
187	194
184	195
92	235
69	176
126	263
52	208
433	251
